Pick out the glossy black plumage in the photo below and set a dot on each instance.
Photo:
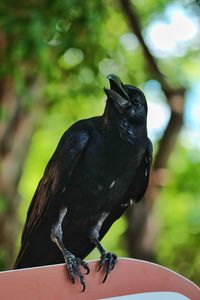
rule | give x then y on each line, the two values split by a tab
99	165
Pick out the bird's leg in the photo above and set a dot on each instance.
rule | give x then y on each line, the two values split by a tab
73	263
107	259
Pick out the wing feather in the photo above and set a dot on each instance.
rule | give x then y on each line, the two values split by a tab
136	190
56	175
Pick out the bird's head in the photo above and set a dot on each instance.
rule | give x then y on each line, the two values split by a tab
126	101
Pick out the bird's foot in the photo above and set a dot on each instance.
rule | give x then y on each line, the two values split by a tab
73	265
108	260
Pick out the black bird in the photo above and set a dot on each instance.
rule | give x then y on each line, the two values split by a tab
101	165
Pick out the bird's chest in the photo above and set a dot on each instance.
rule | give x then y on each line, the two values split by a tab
107	174
110	158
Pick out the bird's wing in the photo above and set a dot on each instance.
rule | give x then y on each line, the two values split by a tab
140	183
57	174
135	191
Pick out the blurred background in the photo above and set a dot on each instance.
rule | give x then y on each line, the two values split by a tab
55	56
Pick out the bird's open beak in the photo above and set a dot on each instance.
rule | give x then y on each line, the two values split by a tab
117	92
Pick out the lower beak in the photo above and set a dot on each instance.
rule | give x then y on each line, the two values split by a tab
118	100
117	93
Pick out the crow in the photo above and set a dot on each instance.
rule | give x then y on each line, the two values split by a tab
100	166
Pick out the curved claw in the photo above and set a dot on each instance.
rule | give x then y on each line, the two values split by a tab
110	260
83	289
105	256
87	271
73	265
81	279
101	263
85	266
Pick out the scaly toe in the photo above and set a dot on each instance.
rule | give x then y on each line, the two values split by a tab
84	264
73	266
108	260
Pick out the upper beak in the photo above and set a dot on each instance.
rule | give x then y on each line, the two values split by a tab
117	85
117	92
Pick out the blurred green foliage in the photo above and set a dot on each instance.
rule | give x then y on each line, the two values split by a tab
70	46
179	205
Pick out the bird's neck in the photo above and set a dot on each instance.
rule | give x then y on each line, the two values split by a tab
127	132
132	134
109	118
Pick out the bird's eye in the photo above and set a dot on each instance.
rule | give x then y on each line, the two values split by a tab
136	99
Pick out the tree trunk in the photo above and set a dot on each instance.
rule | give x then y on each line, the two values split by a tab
143	227
16	129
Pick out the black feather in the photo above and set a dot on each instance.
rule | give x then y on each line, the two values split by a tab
99	165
